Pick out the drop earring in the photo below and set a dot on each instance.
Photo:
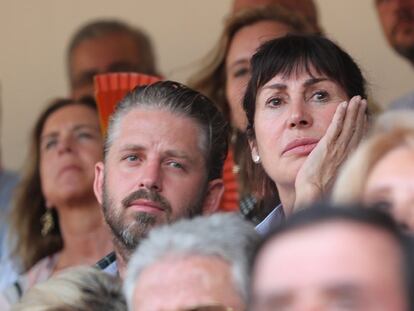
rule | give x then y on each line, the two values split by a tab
47	221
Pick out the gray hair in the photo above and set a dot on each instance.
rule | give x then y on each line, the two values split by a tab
100	28
225	235
183	101
76	289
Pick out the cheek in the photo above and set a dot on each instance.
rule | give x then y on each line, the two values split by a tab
46	180
231	93
93	154
268	131
323	117
235	89
45	165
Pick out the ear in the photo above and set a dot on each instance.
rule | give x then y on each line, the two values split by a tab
98	183
214	193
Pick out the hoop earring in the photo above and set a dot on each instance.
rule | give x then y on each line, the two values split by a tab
47	222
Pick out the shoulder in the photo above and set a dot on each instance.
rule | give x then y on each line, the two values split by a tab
404	102
38	273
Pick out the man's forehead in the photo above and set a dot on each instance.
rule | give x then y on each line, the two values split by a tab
151	124
153	115
345	234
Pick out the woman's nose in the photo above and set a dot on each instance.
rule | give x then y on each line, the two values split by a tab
299	116
65	144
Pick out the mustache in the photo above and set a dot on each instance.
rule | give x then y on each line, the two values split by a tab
147	195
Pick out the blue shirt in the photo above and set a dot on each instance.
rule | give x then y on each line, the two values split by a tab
273	220
405	102
8	181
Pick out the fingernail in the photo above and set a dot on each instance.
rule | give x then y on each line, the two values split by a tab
344	104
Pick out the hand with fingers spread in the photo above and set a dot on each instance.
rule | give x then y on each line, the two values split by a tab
318	172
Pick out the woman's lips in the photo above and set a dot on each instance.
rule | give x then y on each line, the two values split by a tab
68	168
301	146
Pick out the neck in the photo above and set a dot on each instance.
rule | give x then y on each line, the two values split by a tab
122	257
287	198
85	234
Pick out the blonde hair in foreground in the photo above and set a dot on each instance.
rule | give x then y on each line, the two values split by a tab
76	289
391	130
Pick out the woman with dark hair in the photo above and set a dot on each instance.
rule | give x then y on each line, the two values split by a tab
224	77
56	221
306	111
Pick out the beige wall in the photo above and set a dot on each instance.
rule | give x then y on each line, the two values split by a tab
34	35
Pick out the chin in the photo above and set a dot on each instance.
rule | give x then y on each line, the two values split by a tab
73	196
287	173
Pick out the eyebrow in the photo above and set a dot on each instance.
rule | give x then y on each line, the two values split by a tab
334	290
74	129
238	62
283	86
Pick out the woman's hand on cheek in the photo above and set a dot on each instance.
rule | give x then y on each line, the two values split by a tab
319	171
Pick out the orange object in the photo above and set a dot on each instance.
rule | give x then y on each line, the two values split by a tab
230	200
110	88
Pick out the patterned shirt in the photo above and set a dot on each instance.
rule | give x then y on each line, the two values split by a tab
108	264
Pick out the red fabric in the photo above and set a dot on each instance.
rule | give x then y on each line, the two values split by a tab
230	200
110	88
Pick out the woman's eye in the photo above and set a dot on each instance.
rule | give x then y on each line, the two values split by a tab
49	144
274	102
320	96
241	72
85	134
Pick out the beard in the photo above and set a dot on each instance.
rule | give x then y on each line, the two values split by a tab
401	33
128	233
406	52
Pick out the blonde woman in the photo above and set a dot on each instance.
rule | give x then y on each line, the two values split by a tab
381	171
